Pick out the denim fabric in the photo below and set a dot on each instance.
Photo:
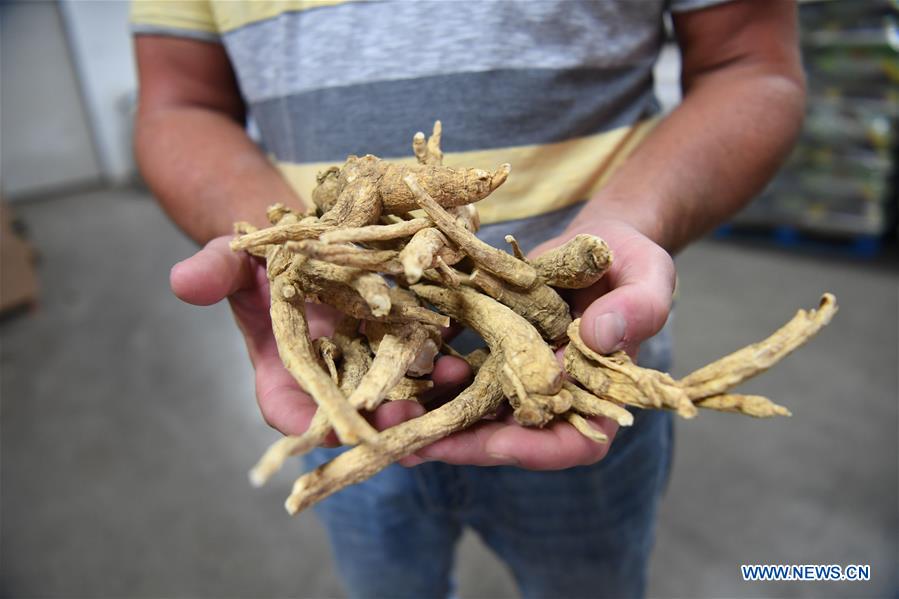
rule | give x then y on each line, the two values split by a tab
576	533
582	532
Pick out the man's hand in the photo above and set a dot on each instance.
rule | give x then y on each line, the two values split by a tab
631	302
215	273
627	306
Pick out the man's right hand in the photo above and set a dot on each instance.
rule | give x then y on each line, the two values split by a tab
215	273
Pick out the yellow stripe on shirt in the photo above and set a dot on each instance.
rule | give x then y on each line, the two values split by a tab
216	16
189	15
233	15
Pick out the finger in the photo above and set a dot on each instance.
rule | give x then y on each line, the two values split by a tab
580	299
450	372
450	376
555	447
394	412
211	274
637	306
283	405
462	448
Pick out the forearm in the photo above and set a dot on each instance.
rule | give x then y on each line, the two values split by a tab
205	171
707	158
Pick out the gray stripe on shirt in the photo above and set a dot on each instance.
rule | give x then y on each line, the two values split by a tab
479	111
360	42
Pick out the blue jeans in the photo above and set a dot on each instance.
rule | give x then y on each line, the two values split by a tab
582	532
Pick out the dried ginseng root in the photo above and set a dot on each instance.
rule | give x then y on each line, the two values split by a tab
300	358
362	252
625	383
481	398
722	375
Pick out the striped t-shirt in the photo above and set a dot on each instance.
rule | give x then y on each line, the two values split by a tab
562	90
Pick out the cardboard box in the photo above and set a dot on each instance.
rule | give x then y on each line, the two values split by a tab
18	280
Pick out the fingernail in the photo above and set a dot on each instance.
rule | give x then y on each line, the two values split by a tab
501	450
608	332
504	460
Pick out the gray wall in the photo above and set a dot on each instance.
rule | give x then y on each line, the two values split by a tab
45	140
100	41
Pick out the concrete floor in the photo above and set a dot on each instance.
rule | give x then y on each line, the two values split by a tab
128	424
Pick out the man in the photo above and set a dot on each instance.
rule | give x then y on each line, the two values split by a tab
563	91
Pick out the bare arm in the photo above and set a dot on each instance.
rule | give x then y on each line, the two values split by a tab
190	141
744	93
743	102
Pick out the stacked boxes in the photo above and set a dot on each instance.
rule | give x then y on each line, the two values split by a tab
840	180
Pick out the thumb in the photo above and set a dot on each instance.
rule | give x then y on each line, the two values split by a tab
212	274
638	303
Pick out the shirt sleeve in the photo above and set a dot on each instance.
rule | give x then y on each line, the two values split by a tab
676	6
180	18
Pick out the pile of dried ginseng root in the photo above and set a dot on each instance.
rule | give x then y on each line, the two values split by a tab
365	252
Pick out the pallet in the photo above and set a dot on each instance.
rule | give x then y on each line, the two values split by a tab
858	245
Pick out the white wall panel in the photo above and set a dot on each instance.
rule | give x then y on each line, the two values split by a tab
45	140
